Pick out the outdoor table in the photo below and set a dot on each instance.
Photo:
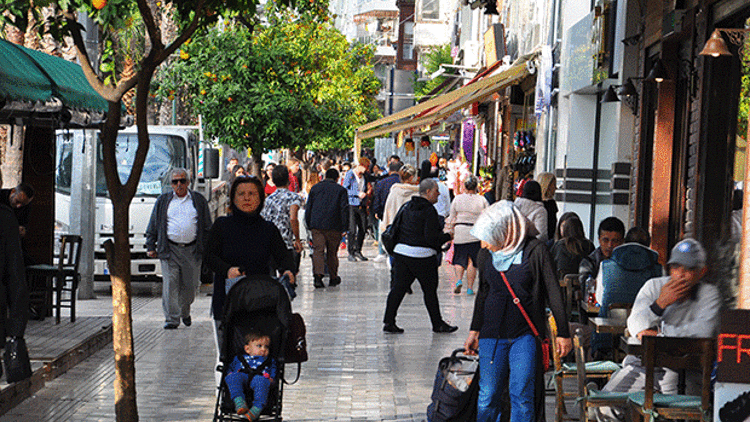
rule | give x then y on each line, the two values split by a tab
610	325
587	310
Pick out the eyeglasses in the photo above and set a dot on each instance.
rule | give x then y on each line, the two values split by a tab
178	181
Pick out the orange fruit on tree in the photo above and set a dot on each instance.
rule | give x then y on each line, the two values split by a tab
98	4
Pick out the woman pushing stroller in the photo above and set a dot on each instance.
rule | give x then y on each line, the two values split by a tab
513	263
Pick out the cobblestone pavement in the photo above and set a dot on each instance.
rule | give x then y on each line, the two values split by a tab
355	371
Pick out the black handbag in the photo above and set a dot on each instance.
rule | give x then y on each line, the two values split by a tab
296	346
389	236
16	359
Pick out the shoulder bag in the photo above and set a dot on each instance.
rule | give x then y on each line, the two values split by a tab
390	235
544	341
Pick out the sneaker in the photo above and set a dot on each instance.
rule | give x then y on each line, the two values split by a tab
359	256
318	281
335	281
380	258
469	292
170	326
457	290
392	329
187	321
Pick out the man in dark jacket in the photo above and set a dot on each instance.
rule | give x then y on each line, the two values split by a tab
381	194
611	235
419	237
177	234
14	294
327	217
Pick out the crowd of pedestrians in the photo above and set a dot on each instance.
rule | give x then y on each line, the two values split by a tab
510	254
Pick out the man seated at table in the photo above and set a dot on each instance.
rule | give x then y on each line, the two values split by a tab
621	278
677	305
611	233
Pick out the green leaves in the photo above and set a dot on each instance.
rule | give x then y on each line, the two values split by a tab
295	84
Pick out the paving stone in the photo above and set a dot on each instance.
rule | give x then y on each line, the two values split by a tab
356	373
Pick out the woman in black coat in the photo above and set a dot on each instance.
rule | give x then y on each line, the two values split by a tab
243	243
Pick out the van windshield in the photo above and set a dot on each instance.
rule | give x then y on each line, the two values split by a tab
165	153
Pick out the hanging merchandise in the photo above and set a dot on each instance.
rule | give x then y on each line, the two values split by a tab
409	144
424	142
434	159
400	139
468	139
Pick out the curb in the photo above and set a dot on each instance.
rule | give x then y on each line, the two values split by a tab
17	392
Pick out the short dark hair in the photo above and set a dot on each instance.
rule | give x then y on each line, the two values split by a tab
611	224
638	235
395	166
280	175
332	174
394	157
26	189
255	335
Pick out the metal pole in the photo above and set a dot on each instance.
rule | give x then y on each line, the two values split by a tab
744	282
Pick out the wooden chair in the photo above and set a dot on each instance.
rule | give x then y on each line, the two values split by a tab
591	397
62	277
679	354
602	370
571	286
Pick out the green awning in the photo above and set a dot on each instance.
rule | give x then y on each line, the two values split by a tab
30	75
20	78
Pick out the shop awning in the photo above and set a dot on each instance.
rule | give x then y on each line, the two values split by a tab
32	76
436	109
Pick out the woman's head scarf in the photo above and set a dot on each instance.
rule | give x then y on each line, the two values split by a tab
503	225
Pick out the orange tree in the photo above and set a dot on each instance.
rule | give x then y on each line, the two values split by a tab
295	83
192	17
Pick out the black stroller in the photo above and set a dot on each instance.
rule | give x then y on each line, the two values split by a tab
254	303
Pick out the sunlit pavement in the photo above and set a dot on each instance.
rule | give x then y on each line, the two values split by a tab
355	372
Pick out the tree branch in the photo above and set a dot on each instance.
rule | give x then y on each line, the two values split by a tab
187	33
107	92
154	33
243	20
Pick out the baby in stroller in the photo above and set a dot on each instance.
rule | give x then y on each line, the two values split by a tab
255	368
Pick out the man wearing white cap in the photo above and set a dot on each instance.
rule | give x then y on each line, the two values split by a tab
678	305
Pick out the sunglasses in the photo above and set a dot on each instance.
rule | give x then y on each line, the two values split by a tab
178	181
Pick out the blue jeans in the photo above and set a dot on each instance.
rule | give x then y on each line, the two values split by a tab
513	360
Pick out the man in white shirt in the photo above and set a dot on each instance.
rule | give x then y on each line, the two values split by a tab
176	234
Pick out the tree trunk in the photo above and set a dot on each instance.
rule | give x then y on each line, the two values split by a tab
12	161
118	261
257	157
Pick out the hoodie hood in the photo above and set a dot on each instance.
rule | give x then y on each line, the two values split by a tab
404	191
635	257
527	206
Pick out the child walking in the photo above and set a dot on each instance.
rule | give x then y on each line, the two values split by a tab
256	368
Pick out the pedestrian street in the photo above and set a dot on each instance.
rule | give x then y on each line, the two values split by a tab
355	372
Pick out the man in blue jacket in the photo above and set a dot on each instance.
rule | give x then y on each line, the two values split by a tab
326	216
356	185
382	188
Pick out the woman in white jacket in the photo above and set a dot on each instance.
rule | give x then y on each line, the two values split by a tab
530	204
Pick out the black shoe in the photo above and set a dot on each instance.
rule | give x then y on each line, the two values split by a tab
392	329
445	328
318	282
170	326
352	258
335	281
187	321
359	256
